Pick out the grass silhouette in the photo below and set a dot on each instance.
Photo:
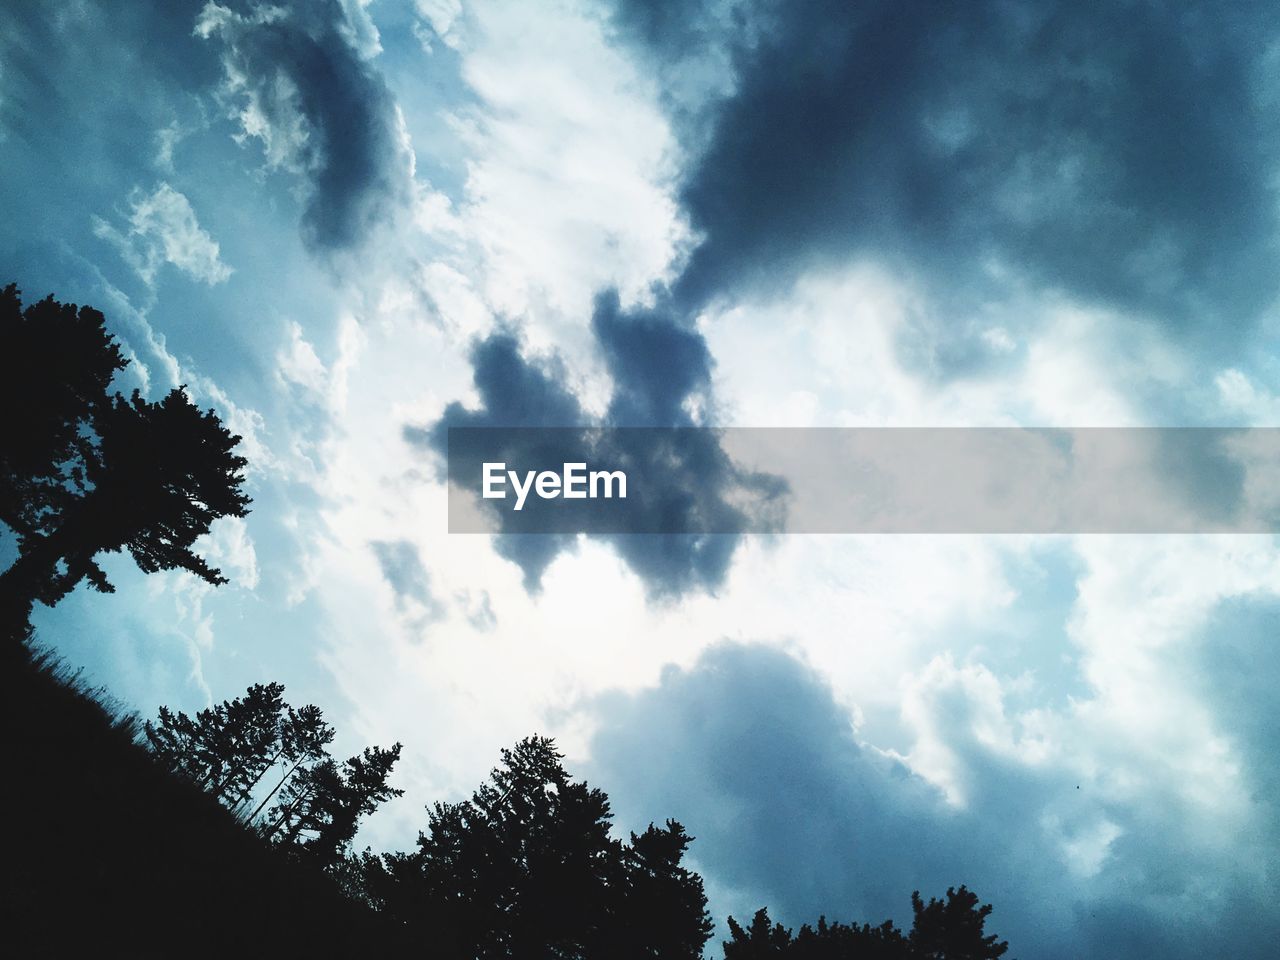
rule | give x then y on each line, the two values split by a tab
105	847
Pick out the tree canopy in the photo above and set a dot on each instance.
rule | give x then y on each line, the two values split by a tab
527	868
950	929
229	749
84	470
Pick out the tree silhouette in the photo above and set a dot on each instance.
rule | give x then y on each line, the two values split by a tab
321	808
62	362
953	929
942	930
227	748
250	732
303	739
761	940
527	868
85	472
664	911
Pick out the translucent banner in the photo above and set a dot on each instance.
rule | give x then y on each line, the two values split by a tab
863	480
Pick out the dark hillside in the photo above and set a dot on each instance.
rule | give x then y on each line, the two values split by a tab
109	851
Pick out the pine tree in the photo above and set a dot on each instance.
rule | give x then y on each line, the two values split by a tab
321	807
942	930
85	472
303	738
953	929
251	733
665	907
228	747
66	361
527	867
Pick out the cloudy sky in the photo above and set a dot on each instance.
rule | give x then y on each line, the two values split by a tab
343	223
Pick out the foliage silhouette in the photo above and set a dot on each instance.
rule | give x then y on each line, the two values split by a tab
84	471
951	929
139	836
66	361
227	750
115	854
527	868
303	738
322	806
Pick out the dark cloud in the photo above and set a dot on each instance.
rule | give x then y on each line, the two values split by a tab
750	749
680	480
513	393
329	116
1123	153
657	365
86	87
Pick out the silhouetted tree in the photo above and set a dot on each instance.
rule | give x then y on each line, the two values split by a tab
84	472
61	362
762	940
529	842
527	868
850	940
179	744
109	854
664	912
303	739
362	789
953	929
250	735
228	747
321	807
942	930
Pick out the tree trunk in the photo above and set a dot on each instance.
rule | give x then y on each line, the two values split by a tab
262	805
288	810
244	794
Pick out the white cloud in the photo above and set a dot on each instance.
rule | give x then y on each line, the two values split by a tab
162	228
440	19
298	363
571	183
1242	396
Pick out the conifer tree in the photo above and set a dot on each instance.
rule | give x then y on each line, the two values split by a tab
321	807
227	747
303	738
527	867
84	471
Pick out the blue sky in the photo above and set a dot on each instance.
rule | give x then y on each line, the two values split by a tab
344	223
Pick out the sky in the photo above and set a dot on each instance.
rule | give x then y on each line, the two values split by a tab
348	224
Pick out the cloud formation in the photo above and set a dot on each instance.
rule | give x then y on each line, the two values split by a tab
162	228
977	148
1122	153
408	579
791	810
297	81
660	372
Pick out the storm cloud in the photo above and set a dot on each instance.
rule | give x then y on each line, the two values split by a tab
295	82
1120	153
1120	157
660	370
793	811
